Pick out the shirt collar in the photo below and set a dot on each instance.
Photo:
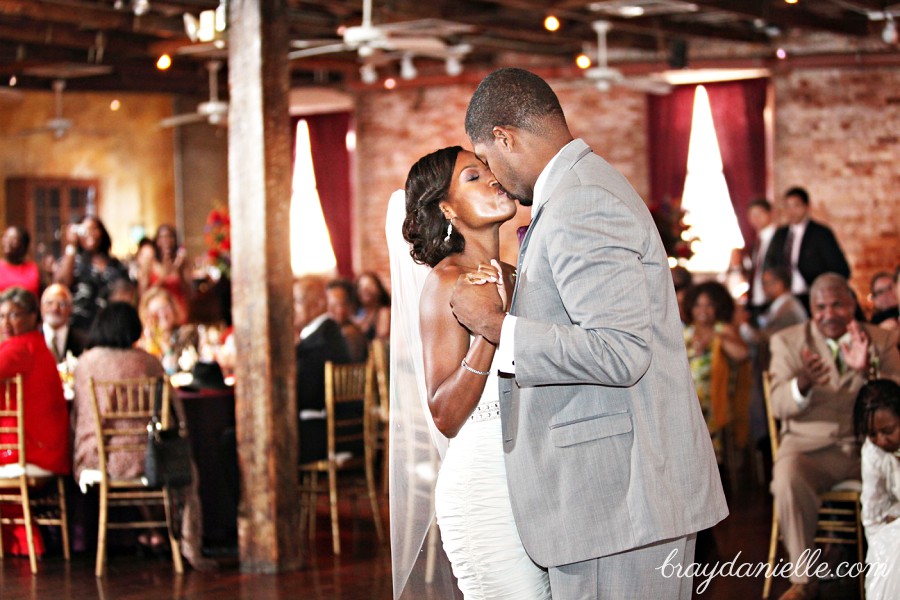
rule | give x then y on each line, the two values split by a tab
53	334
542	180
312	326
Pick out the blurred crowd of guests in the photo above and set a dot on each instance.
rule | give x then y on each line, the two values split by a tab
89	314
797	323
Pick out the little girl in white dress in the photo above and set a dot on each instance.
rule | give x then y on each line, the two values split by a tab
877	417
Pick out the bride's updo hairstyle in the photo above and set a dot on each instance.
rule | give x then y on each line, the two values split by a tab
425	226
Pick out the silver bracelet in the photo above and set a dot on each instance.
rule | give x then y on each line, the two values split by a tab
466	366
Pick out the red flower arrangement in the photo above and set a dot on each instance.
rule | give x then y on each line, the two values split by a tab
217	233
669	220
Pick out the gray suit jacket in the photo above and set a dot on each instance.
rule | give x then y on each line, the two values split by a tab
606	447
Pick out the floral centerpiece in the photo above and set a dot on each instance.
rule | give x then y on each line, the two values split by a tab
669	220
217	233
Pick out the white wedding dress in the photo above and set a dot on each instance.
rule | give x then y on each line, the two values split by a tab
474	513
881	499
471	497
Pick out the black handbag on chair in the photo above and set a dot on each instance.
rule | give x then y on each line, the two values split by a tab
168	461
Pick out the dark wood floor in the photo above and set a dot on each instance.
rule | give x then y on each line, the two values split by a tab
361	573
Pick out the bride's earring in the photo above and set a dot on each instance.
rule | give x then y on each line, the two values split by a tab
449	229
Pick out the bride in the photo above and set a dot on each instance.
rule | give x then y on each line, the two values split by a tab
454	209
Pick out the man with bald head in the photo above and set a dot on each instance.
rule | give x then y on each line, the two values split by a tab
56	308
817	369
319	339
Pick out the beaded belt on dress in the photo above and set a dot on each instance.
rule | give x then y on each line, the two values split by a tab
486	412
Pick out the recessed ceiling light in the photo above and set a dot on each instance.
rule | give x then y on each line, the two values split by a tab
583	61
551	23
390	83
164	62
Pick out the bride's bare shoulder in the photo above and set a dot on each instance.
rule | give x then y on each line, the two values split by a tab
442	278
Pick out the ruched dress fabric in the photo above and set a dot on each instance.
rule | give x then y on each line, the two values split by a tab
475	516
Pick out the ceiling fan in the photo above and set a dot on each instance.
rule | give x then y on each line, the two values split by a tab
604	77
422	37
213	111
208	32
57	124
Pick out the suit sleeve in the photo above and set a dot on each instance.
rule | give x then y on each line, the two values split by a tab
835	260
784	367
889	357
595	246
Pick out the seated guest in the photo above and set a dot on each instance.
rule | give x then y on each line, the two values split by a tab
319	340
817	369
56	308
342	305
682	279
374	315
23	351
123	289
884	300
876	417
782	310
87	268
717	354
164	337
15	270
111	355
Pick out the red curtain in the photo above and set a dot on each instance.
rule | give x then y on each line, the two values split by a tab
331	164
669	132
737	110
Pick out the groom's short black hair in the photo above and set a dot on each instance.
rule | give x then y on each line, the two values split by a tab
510	97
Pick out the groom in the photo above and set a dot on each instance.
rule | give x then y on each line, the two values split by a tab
609	460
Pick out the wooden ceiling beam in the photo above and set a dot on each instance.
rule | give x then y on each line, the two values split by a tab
87	15
68	37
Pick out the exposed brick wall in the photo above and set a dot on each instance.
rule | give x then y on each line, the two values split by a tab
837	133
396	128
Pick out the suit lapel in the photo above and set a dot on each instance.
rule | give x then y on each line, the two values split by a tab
569	157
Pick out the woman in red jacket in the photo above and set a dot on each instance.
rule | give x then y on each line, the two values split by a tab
23	350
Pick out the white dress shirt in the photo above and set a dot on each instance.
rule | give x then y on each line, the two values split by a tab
505	358
765	238
798	284
56	340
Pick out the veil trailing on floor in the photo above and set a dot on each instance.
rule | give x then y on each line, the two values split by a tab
420	569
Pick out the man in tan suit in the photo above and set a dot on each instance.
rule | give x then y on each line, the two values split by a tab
817	369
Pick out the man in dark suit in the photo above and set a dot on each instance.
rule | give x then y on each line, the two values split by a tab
804	246
56	308
759	213
319	339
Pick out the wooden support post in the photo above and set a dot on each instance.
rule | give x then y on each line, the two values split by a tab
259	181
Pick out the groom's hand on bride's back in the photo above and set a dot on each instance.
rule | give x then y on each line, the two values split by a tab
478	307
